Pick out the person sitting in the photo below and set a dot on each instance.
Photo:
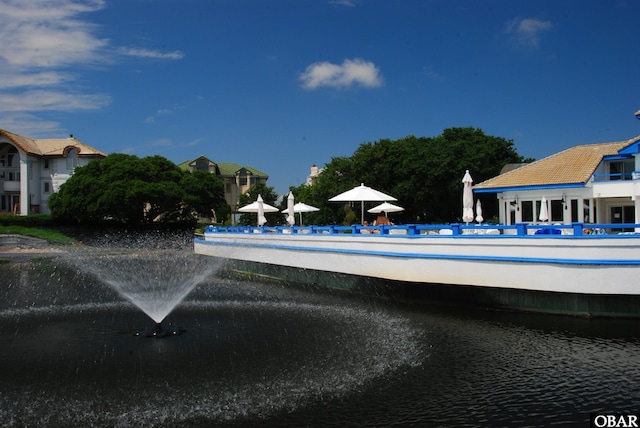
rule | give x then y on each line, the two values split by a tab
365	228
382	219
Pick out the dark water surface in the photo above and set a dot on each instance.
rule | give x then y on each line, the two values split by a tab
265	355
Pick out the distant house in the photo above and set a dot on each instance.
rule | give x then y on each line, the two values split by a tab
312	178
32	169
237	179
593	183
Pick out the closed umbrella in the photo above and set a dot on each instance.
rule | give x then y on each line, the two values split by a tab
544	212
467	198
479	217
291	219
362	194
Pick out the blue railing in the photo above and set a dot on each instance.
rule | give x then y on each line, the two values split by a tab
627	176
456	229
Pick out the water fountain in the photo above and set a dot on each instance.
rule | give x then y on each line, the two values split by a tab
155	281
252	351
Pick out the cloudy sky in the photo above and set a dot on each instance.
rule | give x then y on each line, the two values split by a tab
283	84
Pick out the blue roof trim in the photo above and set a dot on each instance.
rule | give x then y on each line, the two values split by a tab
522	188
617	157
631	149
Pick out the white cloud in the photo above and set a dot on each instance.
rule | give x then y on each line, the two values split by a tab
47	78
44	44
349	73
527	31
431	73
47	33
348	3
194	142
146	53
161	142
46	100
28	124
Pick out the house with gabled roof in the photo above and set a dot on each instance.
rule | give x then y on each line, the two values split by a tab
592	183
32	169
237	179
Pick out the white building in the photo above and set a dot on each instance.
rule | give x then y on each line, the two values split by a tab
593	183
313	175
31	170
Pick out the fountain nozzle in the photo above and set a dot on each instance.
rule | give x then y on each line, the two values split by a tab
159	331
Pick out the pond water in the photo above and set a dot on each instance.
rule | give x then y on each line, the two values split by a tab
261	354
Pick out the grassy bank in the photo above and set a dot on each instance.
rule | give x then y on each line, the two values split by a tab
52	236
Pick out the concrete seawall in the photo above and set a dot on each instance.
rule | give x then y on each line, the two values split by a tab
8	241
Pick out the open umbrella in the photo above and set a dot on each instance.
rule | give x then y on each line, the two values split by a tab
385	207
467	198
301	207
479	217
362	194
259	207
544	212
291	219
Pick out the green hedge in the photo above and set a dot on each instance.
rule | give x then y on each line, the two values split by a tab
35	220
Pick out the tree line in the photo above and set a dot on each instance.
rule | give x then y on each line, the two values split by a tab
423	173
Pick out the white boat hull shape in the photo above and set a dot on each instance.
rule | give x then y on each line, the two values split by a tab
592	265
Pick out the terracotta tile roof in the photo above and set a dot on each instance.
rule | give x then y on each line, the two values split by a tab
25	144
56	147
50	147
572	166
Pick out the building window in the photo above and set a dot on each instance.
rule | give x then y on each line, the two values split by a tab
72	159
574	211
46	163
13	158
621	170
202	165
47	187
527	211
557	210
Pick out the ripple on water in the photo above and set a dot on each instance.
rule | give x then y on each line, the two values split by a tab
238	360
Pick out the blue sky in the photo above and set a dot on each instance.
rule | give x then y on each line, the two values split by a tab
281	85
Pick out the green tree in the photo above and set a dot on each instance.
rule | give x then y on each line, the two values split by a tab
203	192
423	173
135	191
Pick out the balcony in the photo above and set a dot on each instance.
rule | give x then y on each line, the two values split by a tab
11	186
627	176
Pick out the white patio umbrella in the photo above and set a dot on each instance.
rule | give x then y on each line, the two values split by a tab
479	217
362	194
260	207
291	218
544	211
467	198
385	207
301	207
